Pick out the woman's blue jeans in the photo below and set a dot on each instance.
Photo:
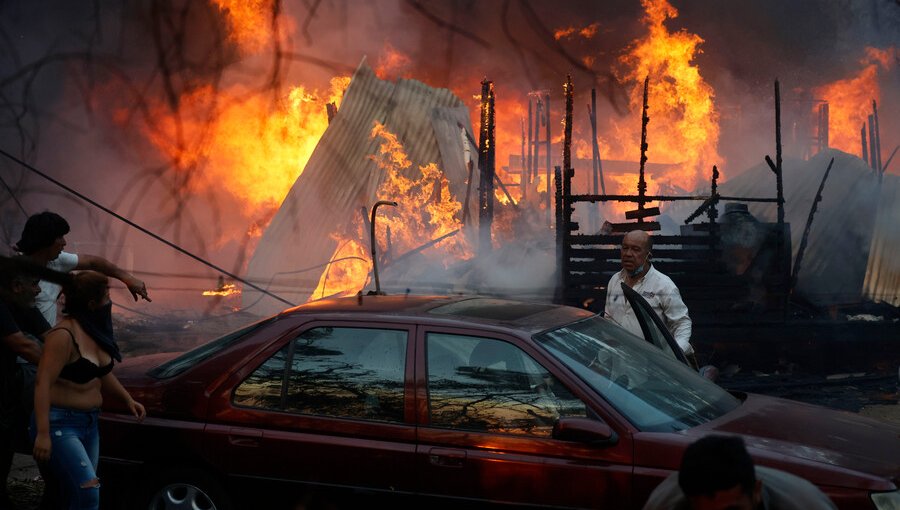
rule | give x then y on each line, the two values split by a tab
75	450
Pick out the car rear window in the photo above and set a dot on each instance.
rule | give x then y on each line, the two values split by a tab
178	365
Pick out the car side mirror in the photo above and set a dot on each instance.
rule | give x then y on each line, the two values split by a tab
584	430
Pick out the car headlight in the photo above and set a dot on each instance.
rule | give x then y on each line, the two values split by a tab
886	500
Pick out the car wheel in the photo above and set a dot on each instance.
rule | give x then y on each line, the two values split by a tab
186	489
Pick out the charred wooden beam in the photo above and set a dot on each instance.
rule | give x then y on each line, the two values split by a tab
645	119
865	147
524	176
877	156
505	191
665	198
809	220
331	111
486	168
549	142
873	159
561	261
529	162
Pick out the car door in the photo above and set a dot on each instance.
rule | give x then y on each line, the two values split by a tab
487	406
326	405
655	331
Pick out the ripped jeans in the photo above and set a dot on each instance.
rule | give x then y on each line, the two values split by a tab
75	450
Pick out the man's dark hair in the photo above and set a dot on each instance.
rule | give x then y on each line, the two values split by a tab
41	230
715	463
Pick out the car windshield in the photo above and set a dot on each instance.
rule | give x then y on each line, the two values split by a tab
655	392
190	358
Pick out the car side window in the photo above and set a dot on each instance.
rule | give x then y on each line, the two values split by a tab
490	385
333	371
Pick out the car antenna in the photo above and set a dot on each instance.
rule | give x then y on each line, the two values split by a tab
372	237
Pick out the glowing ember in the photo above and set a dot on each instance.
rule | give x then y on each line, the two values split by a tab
850	99
587	32
227	289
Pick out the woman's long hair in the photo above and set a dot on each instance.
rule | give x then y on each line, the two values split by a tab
86	286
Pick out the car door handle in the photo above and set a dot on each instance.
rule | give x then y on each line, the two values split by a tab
446	457
248	438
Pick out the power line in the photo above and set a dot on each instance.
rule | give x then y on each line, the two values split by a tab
142	229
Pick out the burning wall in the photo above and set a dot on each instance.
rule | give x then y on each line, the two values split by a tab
340	183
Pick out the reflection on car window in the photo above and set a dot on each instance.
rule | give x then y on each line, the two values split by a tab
342	372
189	359
493	386
653	390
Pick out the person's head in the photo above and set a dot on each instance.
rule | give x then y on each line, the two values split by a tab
717	474
636	251
43	236
88	292
18	286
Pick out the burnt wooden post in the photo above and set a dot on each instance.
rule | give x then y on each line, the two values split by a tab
562	263
642	183
486	168
530	140
865	148
596	165
783	258
523	177
876	156
872	159
536	150
548	148
809	219
713	213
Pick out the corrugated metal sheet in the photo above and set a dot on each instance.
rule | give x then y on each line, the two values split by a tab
848	253
883	271
340	179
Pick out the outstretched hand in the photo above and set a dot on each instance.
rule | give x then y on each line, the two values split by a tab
138	288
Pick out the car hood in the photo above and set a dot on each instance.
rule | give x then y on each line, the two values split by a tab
826	446
779	429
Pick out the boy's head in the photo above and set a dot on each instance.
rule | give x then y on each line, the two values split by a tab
43	231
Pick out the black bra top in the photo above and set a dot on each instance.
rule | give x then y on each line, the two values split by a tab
83	370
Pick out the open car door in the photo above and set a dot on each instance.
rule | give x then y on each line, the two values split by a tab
655	331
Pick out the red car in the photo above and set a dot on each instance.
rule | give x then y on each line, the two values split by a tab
461	400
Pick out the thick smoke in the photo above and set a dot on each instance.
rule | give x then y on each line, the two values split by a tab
84	85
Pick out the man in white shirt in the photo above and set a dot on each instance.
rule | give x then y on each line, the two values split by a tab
658	289
43	240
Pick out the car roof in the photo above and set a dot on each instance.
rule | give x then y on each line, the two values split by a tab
486	310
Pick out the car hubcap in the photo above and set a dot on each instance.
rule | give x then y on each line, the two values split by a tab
181	496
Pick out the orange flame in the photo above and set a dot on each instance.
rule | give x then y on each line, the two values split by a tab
850	99
250	22
225	290
392	64
425	211
684	121
587	32
246	147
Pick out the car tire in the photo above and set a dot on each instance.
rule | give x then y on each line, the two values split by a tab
183	489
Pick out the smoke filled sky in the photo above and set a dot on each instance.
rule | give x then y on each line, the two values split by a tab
192	118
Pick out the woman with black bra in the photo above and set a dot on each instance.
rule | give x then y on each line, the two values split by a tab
75	367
